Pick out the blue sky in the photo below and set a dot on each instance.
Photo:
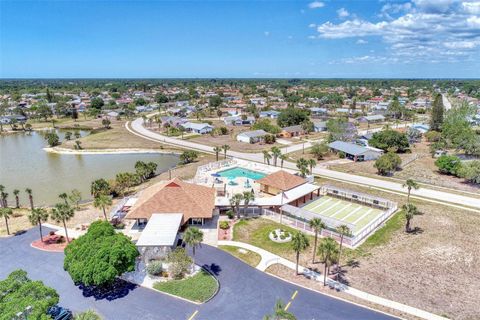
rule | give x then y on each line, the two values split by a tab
261	39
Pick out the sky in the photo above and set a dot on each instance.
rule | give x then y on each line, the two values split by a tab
240	39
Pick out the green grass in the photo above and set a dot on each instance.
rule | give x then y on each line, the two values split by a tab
198	288
249	257
255	232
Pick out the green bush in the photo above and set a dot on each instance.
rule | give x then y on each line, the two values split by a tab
87	315
388	163
230	214
448	164
154	267
179	263
224	225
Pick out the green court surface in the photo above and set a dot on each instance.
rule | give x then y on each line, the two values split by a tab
344	210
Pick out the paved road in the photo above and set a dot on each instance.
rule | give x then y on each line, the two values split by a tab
245	293
442	196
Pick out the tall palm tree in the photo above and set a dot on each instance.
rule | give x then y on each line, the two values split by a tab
311	163
299	243
328	249
235	201
193	237
217	151
64	197
102	201
343	230
276	152
36	217
16	192
225	148
4	196
282	158
409	210
30	197
62	212
266	157
410	184
302	166
248	196
317	225
6	213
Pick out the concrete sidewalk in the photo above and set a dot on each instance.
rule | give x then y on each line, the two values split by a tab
269	259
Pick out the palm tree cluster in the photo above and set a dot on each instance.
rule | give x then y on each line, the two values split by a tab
306	166
276	154
236	200
409	209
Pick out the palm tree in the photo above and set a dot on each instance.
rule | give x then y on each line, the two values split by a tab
16	192
266	157
343	230
225	148
282	158
217	151
311	163
6	213
62	212
64	197
102	201
4	196
280	313
248	196
276	152
299	244
30	197
317	225
409	210
193	237
410	184
235	202
36	217
302	166
328	250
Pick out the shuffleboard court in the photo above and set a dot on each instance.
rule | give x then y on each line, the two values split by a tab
344	210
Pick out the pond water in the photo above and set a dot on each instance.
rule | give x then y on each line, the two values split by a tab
24	164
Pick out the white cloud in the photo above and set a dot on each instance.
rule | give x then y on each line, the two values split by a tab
312	25
425	30
316	5
342	13
361	41
266	33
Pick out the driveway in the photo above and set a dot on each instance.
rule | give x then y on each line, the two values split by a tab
245	293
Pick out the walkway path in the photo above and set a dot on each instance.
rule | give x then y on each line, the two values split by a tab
443	197
269	259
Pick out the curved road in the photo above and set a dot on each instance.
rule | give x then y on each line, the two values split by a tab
245	292
436	195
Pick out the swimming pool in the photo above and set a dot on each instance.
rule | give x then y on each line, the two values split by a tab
241	172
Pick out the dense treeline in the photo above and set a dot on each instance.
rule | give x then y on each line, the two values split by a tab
121	85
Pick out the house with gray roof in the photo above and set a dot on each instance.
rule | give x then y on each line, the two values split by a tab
252	136
371	118
355	152
200	128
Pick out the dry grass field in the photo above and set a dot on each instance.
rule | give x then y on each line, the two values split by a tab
434	269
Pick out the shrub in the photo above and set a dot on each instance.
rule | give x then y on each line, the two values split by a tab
224	225
60	239
179	263
387	139
154	268
230	214
282	237
448	164
433	136
388	163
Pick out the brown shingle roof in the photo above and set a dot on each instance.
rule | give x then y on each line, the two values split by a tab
175	196
282	180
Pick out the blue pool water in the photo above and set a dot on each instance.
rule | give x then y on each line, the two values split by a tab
241	172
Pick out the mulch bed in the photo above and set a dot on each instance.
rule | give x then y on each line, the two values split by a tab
50	243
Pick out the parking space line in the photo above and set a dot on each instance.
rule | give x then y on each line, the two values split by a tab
288	305
294	294
193	315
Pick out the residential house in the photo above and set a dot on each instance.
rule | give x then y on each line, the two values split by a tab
292	131
239	120
318	112
269	114
319	126
371	118
252	136
355	152
200	128
173	121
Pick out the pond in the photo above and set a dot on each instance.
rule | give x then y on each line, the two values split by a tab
24	164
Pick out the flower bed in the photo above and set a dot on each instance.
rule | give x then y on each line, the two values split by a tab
280	236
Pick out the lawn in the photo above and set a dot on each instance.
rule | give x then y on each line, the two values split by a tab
249	257
198	288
